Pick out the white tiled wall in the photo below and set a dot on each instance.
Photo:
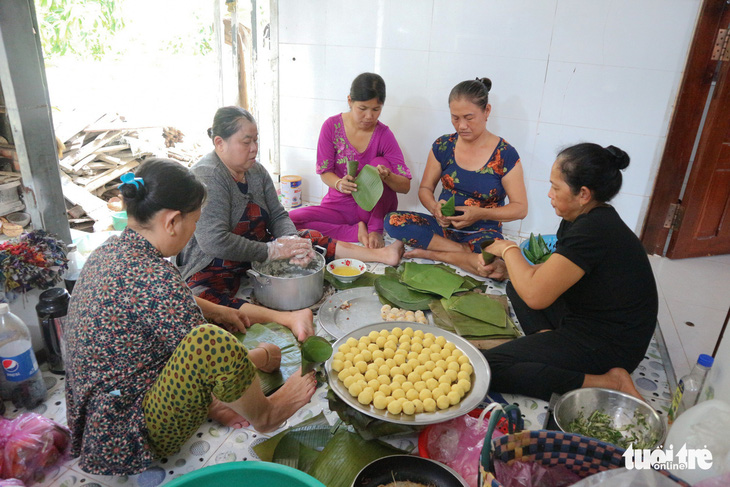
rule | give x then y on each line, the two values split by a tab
563	71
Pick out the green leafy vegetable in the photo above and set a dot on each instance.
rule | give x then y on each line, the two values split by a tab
447	209
369	188
599	425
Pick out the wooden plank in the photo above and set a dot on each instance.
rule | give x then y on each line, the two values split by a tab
118	126
116	160
107	176
90	148
70	129
93	206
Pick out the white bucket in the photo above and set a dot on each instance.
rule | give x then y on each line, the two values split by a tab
291	191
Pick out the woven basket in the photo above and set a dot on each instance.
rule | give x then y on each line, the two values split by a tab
580	454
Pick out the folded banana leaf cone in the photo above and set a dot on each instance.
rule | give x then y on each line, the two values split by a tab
331	454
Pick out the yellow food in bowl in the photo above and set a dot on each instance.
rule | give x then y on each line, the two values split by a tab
345	271
404	383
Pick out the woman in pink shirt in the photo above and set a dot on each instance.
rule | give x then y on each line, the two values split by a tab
356	135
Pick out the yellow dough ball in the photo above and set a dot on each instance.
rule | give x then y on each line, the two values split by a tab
443	402
429	335
355	389
396	371
427	342
398	393
420	369
430	365
364	340
374	384
419	386
429	405
350	356
404	339
352	342
338	356
388	353
362	366
380	341
418	333
418	404
394	407
409	408
344	348
407	368
384	333
412	356
462	374
423	358
380	402
414	377
451	375
416	347
367	355
454	397
427	375
366	396
432	383
406	347
425	394
399	359
371	374
384	370
457	353
397	331
458	389
373	347
445	388
348	381
390	363
380	361
399	379
440	341
407	385
467	368
465	384
437	372
444	379
373	335
385	389
344	374
435	357
436	393
441	363
445	353
453	366
412	394
359	376
378	354
337	365
354	370
436	348
408	331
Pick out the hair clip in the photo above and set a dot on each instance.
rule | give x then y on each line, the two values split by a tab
130	179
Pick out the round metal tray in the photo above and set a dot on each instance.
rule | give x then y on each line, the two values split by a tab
480	378
364	309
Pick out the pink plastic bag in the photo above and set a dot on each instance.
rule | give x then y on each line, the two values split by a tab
458	443
29	444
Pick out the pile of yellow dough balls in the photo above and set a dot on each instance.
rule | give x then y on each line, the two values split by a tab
403	371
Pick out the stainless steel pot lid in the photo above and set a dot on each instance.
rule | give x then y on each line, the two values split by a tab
284	270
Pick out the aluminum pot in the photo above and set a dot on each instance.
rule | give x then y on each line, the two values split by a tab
286	287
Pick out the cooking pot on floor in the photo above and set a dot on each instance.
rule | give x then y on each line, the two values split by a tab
283	286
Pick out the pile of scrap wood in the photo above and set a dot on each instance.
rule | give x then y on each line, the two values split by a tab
93	158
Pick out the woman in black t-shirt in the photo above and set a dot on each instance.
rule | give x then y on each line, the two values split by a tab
590	310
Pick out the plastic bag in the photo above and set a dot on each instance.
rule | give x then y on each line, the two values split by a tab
29	444
533	474
627	478
458	443
298	249
12	483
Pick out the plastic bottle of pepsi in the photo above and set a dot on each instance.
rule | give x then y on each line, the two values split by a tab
20	367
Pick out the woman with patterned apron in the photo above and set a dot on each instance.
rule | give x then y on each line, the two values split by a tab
243	221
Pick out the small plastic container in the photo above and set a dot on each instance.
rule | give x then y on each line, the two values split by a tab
119	220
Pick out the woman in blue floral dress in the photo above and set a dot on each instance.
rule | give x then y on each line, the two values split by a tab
480	170
144	368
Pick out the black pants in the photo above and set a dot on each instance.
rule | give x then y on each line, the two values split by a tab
540	364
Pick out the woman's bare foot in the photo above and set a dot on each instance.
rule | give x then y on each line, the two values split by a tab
295	393
391	254
300	323
375	240
226	416
416	254
617	379
362	234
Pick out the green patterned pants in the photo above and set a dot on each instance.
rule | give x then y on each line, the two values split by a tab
209	360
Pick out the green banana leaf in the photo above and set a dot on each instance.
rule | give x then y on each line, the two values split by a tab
345	455
480	307
315	350
281	336
352	168
440	316
447	209
469	282
369	188
314	432
471	328
431	278
366	280
399	296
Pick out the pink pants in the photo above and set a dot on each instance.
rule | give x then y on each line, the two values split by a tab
339	220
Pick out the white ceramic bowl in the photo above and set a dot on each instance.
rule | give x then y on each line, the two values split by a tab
19	218
352	264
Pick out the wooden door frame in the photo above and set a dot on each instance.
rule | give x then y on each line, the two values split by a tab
696	82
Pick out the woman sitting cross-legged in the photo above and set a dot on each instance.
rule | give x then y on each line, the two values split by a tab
144	369
590	310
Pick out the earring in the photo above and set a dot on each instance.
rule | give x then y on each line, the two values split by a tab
172	234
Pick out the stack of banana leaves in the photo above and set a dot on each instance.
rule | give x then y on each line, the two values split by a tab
451	297
332	455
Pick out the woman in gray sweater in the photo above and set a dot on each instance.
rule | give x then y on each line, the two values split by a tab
243	221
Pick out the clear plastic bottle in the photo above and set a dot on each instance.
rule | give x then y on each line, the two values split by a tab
689	387
26	387
74	267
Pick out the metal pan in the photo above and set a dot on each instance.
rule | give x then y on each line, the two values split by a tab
407	468
480	378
